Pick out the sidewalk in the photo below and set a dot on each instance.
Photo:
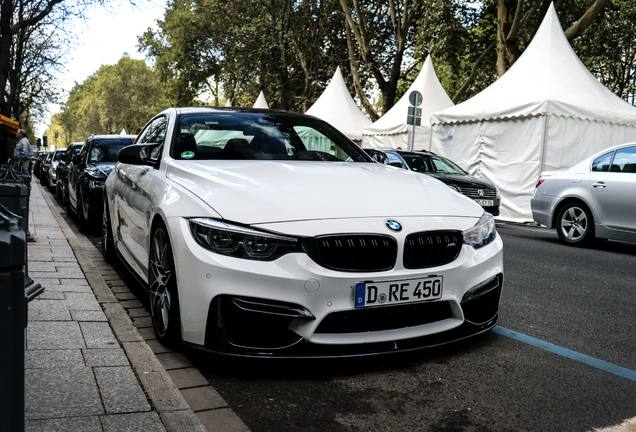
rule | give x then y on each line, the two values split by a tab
87	368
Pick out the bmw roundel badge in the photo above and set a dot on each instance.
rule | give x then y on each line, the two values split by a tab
393	225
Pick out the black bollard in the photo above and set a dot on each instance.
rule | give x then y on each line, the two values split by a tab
14	195
12	321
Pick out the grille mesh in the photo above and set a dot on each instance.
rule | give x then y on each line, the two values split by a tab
385	318
431	248
353	252
473	192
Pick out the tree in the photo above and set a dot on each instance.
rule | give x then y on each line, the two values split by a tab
379	35
20	22
286	48
120	96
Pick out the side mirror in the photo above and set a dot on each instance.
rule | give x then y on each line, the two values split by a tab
140	154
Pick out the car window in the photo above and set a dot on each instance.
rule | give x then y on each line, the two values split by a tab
84	151
418	162
444	166
155	132
261	136
315	140
107	150
395	160
624	161
602	163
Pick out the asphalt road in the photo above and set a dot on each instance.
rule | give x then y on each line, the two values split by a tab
583	299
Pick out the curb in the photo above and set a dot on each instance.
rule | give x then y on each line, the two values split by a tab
165	397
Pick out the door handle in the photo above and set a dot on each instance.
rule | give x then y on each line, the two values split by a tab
599	185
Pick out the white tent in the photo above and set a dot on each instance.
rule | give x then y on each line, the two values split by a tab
547	112
336	106
261	102
123	132
391	129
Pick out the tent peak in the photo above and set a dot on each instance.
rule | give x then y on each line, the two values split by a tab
336	106
261	102
548	78
434	99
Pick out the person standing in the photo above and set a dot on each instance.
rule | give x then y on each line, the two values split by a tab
23	150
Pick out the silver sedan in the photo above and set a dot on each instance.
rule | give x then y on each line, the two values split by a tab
594	199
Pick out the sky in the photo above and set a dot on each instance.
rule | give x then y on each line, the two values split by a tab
102	37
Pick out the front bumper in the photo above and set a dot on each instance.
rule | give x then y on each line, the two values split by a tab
212	320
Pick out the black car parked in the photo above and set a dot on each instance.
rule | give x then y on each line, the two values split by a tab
445	170
66	161
37	163
44	168
87	174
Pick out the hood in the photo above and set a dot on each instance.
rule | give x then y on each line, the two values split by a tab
277	191
463	181
101	169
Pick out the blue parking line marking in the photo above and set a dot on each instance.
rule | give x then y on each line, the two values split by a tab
568	353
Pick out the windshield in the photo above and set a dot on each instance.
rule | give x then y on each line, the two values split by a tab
74	150
107	150
431	164
261	136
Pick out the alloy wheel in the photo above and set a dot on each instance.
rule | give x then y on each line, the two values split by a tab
574	223
160	279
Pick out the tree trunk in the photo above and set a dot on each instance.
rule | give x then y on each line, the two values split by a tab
6	39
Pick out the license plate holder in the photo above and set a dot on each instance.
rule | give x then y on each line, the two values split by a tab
386	293
485	202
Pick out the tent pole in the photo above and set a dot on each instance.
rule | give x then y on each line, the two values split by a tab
545	137
412	138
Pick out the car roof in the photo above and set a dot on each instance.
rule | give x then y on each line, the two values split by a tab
616	147
210	109
403	152
103	137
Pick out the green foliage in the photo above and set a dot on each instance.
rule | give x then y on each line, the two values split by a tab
213	48
120	96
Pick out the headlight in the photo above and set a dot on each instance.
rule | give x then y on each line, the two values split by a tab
482	233
95	184
241	242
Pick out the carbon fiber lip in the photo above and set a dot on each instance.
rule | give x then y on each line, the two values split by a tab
306	350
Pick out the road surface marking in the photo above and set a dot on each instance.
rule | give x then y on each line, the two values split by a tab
568	353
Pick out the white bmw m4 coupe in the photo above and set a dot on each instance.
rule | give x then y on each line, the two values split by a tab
266	233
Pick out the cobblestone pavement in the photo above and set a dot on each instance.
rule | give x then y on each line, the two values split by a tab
92	363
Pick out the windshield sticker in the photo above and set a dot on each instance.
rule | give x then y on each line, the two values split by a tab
187	154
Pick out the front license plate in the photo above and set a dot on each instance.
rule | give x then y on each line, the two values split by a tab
370	294
485	203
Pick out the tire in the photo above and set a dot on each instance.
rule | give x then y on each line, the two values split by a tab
82	220
58	192
108	243
68	206
162	289
575	224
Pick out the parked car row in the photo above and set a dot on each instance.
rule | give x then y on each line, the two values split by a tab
76	175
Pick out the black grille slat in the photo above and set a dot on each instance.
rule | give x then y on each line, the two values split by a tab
353	252
385	317
431	248
472	192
